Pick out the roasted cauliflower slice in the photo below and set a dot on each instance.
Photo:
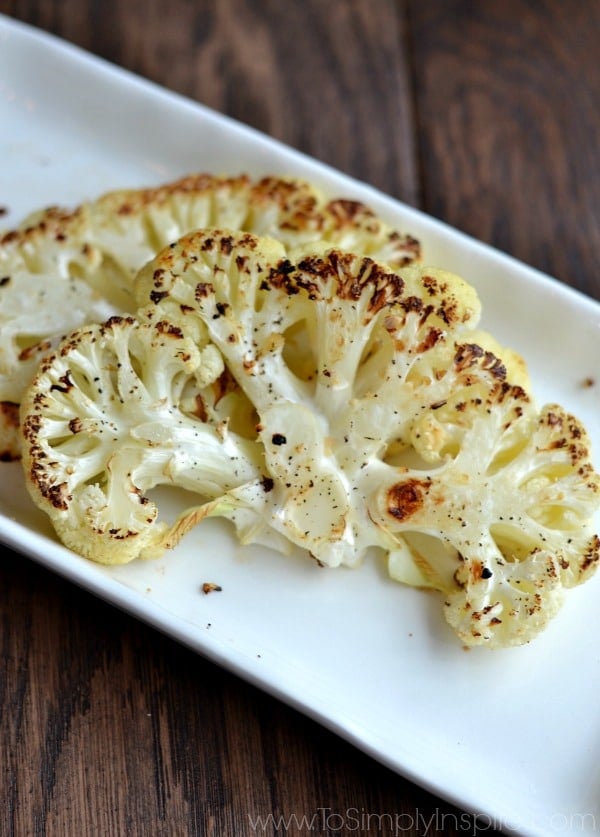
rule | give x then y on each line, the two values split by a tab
323	350
497	513
327	402
384	426
63	269
119	409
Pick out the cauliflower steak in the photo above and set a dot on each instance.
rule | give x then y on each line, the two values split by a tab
384	425
318	398
122	408
62	269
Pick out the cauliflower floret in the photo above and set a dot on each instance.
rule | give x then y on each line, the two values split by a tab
119	409
383	425
63	269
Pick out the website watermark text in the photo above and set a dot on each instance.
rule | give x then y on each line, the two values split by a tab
423	823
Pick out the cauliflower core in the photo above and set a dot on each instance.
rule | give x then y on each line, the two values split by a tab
63	269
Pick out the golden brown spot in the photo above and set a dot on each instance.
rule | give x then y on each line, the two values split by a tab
168	329
200	410
429	341
592	555
75	425
227	245
430	284
554	420
407	498
225	383
477	571
37	348
346	211
203	290
413	305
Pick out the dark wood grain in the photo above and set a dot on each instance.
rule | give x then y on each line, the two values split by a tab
483	114
508	128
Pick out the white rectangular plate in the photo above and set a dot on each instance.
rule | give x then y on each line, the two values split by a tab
512	735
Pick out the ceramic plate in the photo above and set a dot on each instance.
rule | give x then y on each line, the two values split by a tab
511	735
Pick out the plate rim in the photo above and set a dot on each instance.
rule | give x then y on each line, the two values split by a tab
35	546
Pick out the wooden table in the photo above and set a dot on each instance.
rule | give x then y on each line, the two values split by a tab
484	114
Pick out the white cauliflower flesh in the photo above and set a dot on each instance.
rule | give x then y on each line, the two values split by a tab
384	425
122	408
63	269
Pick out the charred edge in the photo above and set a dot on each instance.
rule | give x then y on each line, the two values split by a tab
433	336
281	277
591	557
57	495
347	211
203	290
117	320
166	328
353	279
470	354
65	383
